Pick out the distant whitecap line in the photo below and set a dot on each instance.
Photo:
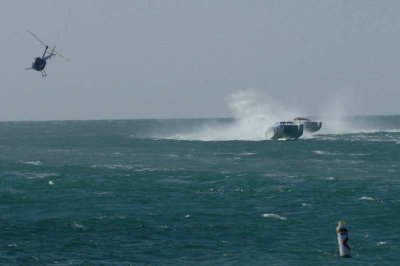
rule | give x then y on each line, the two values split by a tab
127	168
274	216
247	153
33	175
112	166
146	170
36	163
359	154
318	152
373	131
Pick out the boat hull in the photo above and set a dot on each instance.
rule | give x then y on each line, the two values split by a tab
285	131
312	127
309	126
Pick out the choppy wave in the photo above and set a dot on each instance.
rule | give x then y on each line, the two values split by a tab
365	136
98	188
31	175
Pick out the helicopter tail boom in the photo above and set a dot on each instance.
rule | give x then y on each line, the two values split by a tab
50	54
44	53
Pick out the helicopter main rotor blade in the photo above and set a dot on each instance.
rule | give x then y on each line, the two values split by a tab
37	38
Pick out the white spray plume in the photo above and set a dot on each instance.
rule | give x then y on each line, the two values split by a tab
253	113
334	115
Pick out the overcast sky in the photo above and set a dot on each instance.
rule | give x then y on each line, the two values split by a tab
182	59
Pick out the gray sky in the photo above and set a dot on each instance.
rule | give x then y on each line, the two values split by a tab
182	59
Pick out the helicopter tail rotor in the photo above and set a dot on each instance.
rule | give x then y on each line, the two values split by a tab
52	52
60	55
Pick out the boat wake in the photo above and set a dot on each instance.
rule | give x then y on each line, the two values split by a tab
254	112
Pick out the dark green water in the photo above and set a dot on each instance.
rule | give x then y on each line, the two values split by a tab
126	193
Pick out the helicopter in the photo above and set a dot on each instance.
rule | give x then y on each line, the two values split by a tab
39	63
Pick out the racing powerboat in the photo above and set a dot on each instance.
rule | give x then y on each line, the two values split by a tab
287	130
309	126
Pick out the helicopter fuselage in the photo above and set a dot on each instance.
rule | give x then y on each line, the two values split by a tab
38	64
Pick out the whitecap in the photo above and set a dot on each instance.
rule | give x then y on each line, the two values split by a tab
366	198
112	166
381	243
247	153
118	167
145	170
359	154
103	193
36	163
29	175
241	175
177	180
78	226
321	152
274	216
318	152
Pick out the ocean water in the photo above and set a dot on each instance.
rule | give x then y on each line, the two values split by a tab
197	192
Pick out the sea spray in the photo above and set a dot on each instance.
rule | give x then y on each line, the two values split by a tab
253	112
334	115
